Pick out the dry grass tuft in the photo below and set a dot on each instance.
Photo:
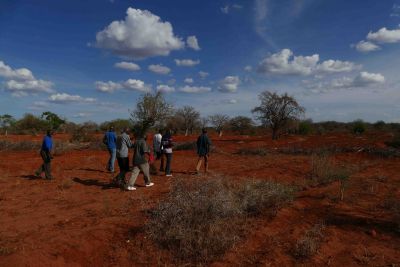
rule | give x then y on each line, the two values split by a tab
309	244
200	220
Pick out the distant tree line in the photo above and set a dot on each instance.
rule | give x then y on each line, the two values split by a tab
279	113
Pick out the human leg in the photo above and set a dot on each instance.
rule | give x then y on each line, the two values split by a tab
206	163
134	175
145	168
162	162
168	167
198	166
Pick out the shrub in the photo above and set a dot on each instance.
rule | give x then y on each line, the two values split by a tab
81	135
305	127
359	127
200	219
185	146
19	146
395	142
309	244
324	171
252	151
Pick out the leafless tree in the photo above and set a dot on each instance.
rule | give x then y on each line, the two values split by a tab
190	117
219	121
276	110
151	109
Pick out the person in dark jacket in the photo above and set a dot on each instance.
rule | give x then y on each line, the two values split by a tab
166	145
45	153
203	150
110	140
123	144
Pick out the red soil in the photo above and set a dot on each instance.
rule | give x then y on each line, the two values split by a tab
77	220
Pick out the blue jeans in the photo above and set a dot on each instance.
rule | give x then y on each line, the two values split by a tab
111	161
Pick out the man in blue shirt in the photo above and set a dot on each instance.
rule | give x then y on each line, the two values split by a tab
110	140
45	153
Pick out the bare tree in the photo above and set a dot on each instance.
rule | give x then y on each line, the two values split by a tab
190	117
150	110
204	122
241	124
6	121
276	110
219	121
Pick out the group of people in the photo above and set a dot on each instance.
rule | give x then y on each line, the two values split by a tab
118	148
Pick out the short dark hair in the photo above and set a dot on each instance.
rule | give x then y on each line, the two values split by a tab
204	130
111	128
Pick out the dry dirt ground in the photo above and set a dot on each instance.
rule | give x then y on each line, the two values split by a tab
79	220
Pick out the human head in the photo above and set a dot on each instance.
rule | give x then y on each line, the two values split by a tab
204	130
111	129
125	130
160	131
49	132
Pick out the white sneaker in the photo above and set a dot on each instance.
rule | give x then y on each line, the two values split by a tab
168	175
130	188
149	185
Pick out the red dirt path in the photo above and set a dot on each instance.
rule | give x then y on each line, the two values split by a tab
77	220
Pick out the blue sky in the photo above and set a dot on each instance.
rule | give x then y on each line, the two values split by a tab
91	60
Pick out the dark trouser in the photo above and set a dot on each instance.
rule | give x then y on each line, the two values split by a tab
46	166
198	166
169	159
123	164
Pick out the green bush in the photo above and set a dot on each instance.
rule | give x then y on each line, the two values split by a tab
305	128
359	127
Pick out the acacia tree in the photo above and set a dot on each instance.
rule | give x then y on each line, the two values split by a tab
219	121
276	110
151	109
190	117
6	121
53	120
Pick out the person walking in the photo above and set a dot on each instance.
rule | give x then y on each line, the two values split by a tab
167	144
110	140
157	144
203	150
123	144
140	163
45	153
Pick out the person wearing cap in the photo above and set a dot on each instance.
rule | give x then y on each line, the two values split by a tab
140	162
110	140
203	150
123	144
45	153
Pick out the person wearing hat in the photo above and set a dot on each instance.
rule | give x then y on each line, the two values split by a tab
110	140
45	153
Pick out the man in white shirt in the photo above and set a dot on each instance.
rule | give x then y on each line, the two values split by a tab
157	144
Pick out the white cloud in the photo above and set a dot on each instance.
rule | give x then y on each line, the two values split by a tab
82	115
237	6
285	63
248	68
26	87
137	85
186	62
203	74
229	84
140	35
171	82
15	74
188	80
159	69
22	82
127	66
107	87
195	89
230	101
193	43
362	80
225	9
384	36
365	47
63	98
165	88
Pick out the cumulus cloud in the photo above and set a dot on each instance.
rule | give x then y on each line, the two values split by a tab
193	43
186	62
195	89
127	66
203	74
107	87
365	47
229	84
225	9
165	88
136	85
130	84
384	36
362	80
64	98
159	69
22	82
140	35
188	80
285	63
